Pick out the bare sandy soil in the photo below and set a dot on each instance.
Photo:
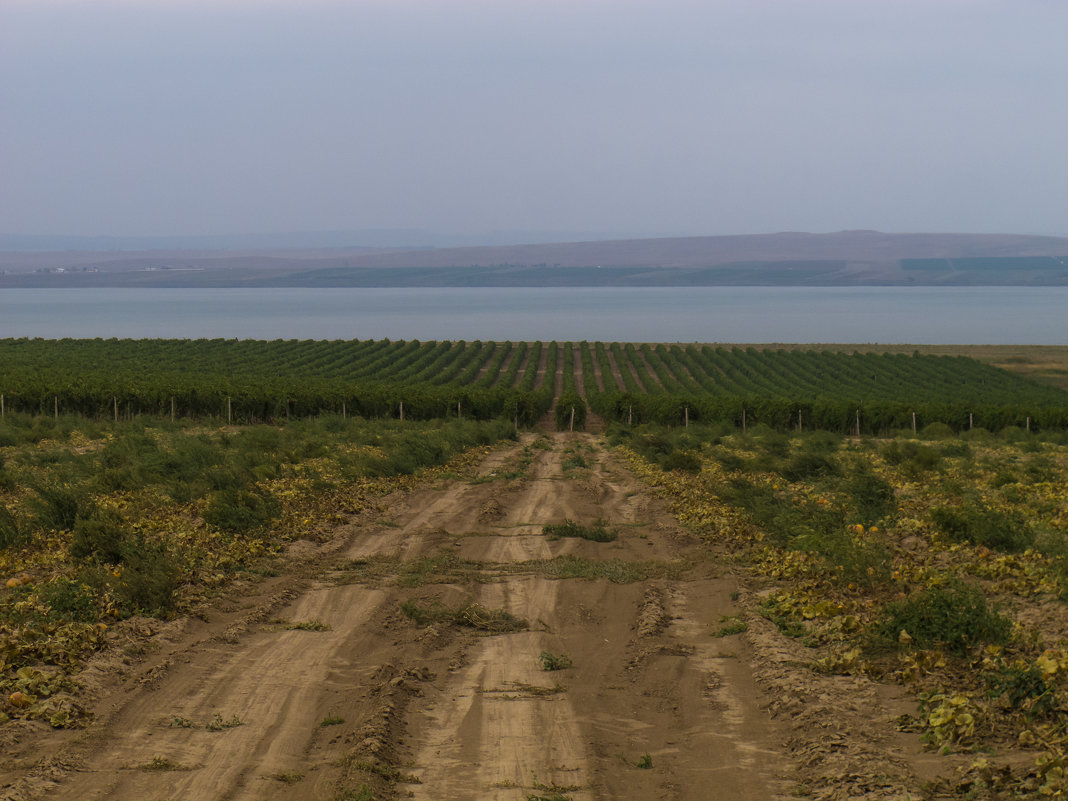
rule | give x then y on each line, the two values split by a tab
314	685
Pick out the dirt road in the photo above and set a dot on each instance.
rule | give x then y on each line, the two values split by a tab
316	685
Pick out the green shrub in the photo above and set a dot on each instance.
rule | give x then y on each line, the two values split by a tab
936	431
872	497
240	511
12	534
149	579
71	599
100	537
807	465
954	615
686	461
56	507
913	458
994	529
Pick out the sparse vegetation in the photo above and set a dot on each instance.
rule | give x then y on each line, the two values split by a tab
162	764
552	662
217	723
730	626
472	615
308	625
598	532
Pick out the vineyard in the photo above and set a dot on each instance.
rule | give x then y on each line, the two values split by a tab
249	381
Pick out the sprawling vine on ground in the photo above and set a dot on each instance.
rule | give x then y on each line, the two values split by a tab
935	562
100	522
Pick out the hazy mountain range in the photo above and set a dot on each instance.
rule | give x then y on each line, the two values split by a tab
846	258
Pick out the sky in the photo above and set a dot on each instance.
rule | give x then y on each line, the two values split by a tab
628	117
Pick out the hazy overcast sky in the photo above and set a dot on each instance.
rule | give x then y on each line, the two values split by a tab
147	117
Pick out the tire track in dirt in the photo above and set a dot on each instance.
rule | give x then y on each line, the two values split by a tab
502	727
470	715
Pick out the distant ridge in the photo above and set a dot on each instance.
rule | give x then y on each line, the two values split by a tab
846	258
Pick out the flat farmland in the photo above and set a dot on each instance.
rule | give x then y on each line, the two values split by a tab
308	603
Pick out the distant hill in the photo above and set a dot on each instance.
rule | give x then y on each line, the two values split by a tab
847	258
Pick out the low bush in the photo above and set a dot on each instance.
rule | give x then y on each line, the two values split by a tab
57	507
686	461
955	616
12	533
148	580
807	465
914	458
240	511
994	529
71	599
100	537
872	498
552	662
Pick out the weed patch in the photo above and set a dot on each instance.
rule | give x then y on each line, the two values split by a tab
218	724
308	625
730	626
552	662
159	764
471	615
598	532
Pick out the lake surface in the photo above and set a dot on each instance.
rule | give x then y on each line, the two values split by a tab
938	315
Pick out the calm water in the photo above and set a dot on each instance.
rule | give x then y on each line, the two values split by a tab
974	315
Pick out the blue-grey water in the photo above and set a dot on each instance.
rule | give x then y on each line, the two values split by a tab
966	315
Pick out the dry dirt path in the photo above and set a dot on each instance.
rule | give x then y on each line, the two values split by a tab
315	686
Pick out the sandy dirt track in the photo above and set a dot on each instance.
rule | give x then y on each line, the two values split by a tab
313	684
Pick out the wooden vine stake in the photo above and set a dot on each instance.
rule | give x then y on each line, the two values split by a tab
969	421
572	424
686	416
630	415
858	423
344	414
914	422
55	406
1028	424
172	408
799	425
115	407
229	410
743	419
1	405
402	410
